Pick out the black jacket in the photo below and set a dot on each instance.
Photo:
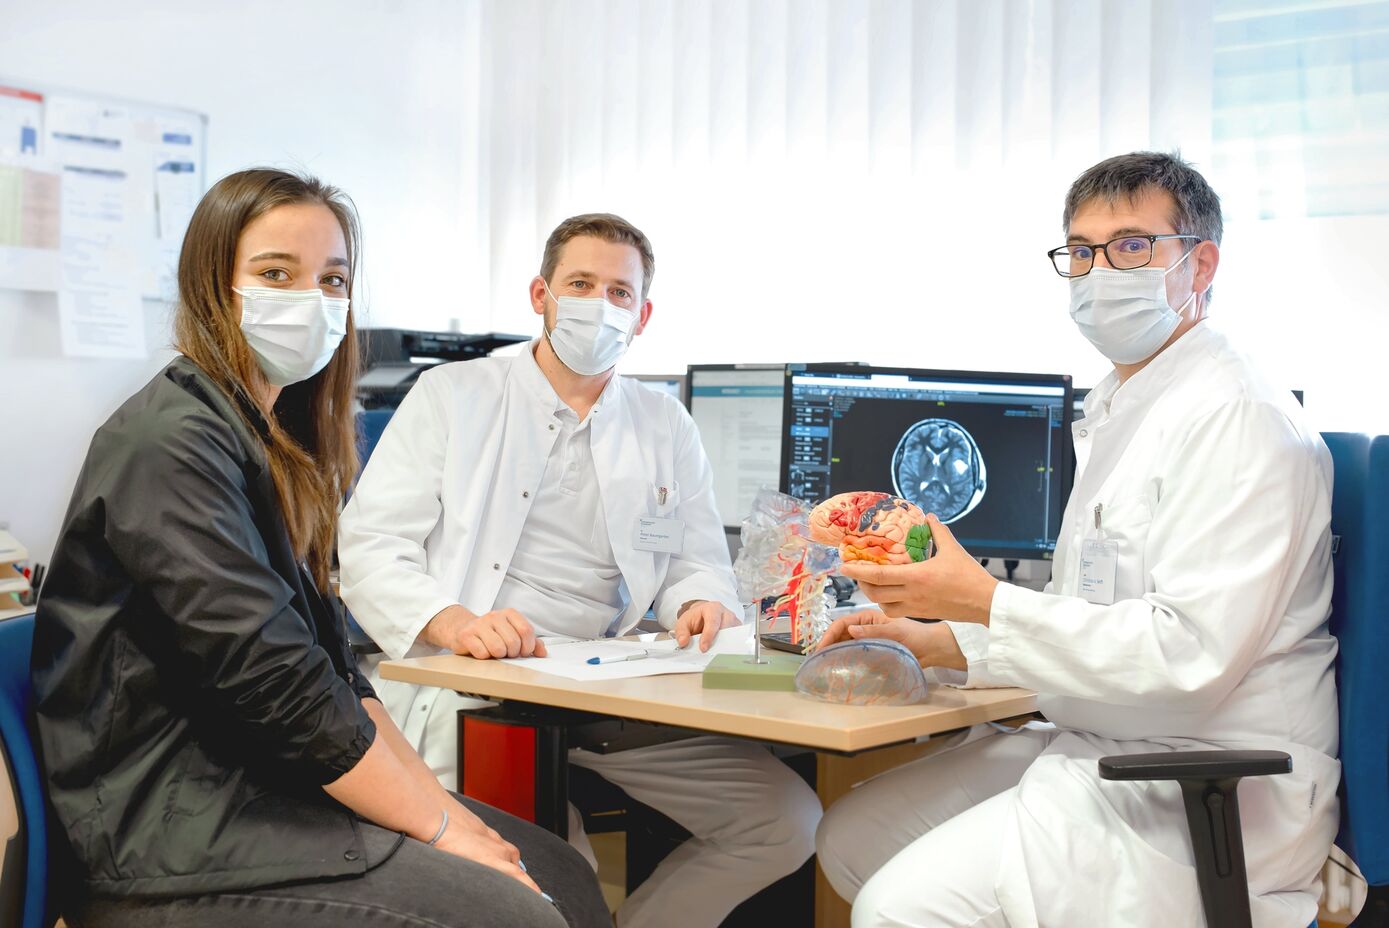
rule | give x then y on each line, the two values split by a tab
193	689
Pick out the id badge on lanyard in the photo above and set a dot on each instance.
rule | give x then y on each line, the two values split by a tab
1099	565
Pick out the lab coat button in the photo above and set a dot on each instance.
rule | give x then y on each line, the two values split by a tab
1083	433
496	567
525	494
351	855
552	426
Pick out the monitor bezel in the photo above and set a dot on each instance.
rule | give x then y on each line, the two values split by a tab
1066	456
691	368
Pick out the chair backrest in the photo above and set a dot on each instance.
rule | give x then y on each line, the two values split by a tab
16	642
1360	620
371	423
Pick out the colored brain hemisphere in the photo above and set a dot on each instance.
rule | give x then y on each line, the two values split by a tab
868	526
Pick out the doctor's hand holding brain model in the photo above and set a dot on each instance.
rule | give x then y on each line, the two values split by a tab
1187	610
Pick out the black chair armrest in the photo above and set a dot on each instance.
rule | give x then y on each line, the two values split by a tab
1194	765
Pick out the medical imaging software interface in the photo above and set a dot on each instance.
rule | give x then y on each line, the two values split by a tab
988	454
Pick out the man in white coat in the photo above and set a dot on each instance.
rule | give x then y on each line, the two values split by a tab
1187	610
501	506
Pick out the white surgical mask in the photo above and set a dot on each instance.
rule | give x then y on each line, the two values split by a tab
1125	314
590	334
293	333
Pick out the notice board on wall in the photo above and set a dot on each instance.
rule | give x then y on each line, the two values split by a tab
95	196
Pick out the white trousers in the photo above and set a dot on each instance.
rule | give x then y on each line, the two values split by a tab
751	819
919	845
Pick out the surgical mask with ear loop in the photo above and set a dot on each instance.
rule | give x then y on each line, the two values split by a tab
1125	314
293	333
590	334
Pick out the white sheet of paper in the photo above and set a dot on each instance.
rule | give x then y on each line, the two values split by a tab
570	658
102	323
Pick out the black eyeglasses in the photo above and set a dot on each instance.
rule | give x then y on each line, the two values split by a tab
1123	254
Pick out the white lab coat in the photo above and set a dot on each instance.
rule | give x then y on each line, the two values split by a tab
436	516
1218	495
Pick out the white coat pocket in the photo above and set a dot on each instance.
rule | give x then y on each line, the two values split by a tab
1123	535
663	498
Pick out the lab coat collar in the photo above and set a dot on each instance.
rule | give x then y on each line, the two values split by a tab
527	371
1162	371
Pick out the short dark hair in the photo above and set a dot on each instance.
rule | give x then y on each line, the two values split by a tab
607	227
1196	208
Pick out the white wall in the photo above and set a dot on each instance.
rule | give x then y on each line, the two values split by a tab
365	95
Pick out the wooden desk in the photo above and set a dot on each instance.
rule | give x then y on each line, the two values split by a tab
682	701
849	738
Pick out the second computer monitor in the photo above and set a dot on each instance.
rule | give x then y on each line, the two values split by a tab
738	409
987	453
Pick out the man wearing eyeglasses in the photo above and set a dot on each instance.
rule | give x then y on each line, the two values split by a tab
1187	611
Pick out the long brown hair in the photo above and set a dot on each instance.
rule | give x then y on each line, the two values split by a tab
310	441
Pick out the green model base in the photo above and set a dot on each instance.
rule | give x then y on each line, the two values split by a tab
736	672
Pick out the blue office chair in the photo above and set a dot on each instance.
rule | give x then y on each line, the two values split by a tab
1360	524
371	424
16	641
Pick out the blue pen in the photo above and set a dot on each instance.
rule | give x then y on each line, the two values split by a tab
638	656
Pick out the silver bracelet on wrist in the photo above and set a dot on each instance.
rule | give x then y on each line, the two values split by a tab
443	827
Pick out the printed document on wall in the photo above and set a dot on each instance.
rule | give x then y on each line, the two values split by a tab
102	323
21	122
30	197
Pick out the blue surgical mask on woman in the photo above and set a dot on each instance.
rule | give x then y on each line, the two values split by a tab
1125	314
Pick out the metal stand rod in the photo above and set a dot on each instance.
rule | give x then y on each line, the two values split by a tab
756	611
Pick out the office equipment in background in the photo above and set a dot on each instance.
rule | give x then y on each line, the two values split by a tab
673	384
738	409
14	584
393	359
1299	396
1078	395
989	453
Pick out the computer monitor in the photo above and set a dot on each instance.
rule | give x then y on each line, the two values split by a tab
674	384
990	454
738	409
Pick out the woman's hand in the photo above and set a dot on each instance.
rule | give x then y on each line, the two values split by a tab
949	585
468	837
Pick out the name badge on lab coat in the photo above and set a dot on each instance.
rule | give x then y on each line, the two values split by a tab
665	536
1099	565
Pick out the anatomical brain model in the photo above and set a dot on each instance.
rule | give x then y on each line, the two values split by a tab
869	526
938	466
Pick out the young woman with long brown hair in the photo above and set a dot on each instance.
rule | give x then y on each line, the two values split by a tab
213	753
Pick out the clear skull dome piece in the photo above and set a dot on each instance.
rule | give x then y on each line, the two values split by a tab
939	467
869	672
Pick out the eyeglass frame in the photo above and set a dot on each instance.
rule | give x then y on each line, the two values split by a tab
1152	250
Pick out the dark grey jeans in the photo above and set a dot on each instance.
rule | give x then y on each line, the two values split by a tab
416	886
